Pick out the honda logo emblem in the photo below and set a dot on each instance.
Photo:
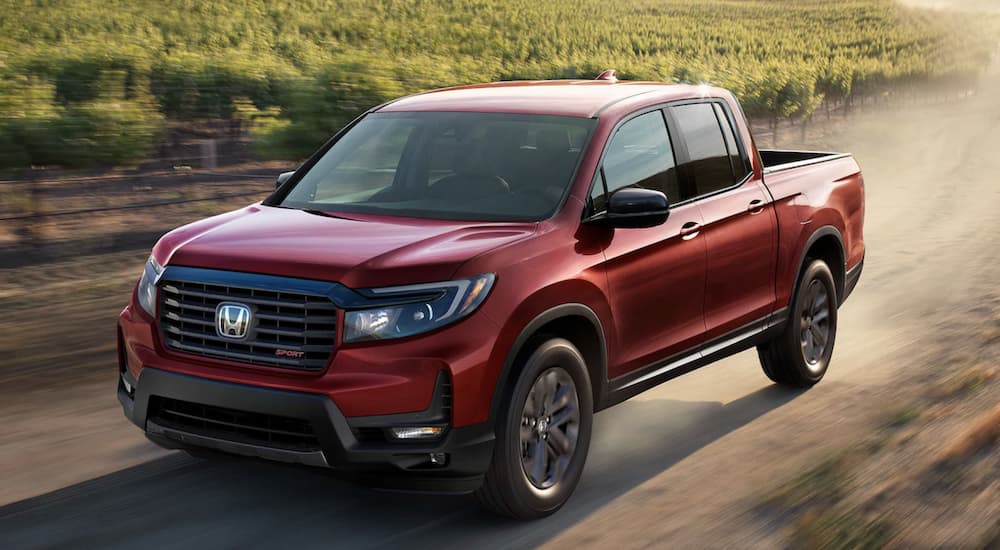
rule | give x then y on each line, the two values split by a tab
232	320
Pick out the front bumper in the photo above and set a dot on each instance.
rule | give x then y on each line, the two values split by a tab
339	441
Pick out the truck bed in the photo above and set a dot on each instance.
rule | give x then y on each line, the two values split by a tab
776	160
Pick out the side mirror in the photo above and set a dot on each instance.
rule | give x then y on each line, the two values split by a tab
634	208
282	178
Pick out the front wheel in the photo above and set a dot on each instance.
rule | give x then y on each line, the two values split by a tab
543	434
800	355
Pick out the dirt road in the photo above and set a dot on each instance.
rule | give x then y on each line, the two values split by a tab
681	464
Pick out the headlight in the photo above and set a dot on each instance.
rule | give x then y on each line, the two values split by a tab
147	286
416	308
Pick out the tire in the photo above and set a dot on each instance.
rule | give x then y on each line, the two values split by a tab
529	478
800	355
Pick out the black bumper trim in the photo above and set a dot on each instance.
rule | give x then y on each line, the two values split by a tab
388	465
177	439
438	412
851	279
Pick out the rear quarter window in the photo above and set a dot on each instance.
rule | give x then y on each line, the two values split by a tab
739	162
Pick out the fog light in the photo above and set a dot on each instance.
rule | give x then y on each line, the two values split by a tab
416	432
128	387
439	459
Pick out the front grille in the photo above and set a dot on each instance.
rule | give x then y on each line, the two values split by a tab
283	324
252	428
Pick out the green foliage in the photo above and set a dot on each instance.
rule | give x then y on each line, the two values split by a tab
778	91
309	66
836	79
190	86
319	107
104	132
106	129
28	115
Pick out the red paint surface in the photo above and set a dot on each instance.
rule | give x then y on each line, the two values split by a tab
655	292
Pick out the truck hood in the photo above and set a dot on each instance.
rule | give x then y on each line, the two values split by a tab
357	251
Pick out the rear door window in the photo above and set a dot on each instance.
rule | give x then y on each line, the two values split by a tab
711	147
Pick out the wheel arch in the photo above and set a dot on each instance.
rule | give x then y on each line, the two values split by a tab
575	322
827	244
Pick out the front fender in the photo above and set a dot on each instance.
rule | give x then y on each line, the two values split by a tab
574	298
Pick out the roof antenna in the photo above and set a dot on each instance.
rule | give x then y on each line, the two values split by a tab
610	75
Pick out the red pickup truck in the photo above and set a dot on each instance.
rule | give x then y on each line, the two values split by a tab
447	291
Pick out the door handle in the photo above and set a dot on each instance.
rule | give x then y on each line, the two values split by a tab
756	207
690	230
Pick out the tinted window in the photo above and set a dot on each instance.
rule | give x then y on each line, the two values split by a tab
709	164
736	160
640	155
473	166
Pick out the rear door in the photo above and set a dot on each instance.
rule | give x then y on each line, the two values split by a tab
738	220
656	275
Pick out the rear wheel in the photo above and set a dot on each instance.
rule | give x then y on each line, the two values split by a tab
800	355
543	434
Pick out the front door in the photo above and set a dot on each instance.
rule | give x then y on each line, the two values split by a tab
656	275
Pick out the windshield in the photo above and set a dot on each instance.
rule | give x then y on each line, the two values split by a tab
462	166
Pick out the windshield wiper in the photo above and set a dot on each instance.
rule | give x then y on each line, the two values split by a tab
315	212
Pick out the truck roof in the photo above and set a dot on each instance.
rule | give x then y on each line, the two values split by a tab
579	98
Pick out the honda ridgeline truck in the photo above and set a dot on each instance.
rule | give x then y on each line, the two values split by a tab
447	291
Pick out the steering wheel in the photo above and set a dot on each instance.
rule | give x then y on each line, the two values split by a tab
470	186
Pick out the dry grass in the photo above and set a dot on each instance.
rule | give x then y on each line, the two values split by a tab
833	530
965	381
822	518
983	432
905	416
819	487
928	477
